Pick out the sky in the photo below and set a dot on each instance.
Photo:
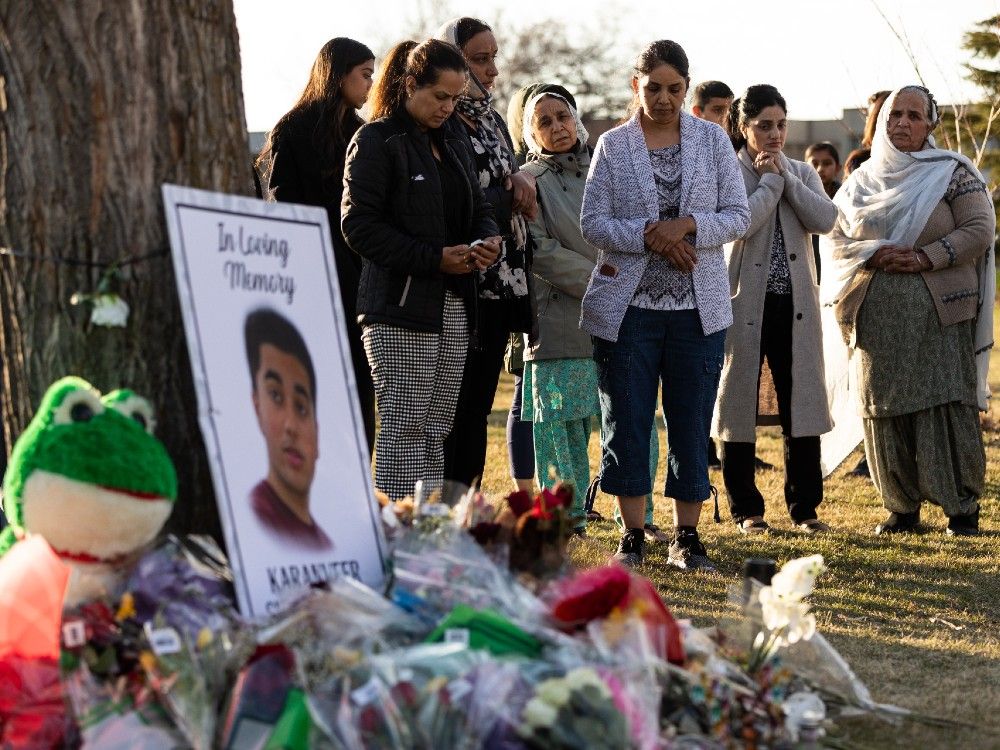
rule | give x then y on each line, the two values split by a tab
823	56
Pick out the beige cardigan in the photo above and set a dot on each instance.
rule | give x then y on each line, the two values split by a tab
966	226
805	209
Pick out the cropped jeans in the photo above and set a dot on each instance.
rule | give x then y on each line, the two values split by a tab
658	348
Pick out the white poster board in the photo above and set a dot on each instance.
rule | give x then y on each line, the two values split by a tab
276	396
848	429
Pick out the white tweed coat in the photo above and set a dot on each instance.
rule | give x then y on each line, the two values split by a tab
620	197
799	197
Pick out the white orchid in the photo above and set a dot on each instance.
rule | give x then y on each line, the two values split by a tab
797	578
788	618
784	612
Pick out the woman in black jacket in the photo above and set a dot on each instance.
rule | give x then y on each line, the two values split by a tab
414	211
303	162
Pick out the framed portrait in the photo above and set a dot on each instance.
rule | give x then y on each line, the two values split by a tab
276	396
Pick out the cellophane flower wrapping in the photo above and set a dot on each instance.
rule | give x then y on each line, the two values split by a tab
434	571
195	640
32	711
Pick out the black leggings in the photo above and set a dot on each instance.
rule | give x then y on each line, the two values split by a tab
803	475
465	447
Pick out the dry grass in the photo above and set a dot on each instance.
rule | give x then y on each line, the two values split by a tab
918	618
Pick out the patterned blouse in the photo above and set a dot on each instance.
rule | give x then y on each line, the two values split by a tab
663	286
779	280
508	276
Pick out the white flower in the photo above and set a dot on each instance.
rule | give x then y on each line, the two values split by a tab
797	578
583	676
554	692
538	713
109	310
789	618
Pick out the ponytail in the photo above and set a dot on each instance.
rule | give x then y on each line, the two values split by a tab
389	91
423	61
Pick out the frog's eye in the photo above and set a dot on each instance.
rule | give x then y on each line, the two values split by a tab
78	406
139	410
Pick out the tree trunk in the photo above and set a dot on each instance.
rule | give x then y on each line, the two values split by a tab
100	103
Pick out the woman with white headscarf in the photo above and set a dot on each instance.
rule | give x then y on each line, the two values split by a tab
912	283
503	293
560	375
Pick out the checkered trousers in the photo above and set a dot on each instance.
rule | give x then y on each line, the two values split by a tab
417	379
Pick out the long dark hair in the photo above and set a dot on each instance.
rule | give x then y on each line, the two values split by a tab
662	52
336	120
754	101
875	102
423	61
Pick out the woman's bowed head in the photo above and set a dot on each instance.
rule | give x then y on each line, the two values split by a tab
660	83
913	115
427	80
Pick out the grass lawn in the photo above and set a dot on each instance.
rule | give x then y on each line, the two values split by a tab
918	617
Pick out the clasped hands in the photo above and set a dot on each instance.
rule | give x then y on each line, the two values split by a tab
899	259
667	238
459	259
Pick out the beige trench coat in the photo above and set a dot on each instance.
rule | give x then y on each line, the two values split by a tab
805	209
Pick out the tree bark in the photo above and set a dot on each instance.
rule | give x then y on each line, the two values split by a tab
100	103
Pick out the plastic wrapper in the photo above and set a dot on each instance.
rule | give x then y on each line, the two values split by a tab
32	712
258	698
331	631
32	584
611	596
417	697
435	572
181	592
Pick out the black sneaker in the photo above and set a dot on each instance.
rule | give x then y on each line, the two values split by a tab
631	548
967	525
688	553
898	523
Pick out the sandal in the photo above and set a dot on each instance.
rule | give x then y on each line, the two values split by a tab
753	526
654	533
813	526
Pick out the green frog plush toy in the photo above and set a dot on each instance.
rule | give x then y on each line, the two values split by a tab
88	476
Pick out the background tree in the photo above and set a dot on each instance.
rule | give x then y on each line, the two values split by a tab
100	103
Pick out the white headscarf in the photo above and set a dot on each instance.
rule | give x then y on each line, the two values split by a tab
529	112
888	200
448	32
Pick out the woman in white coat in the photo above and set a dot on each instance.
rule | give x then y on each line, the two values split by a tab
776	315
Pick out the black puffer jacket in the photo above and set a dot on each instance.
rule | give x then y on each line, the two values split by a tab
393	216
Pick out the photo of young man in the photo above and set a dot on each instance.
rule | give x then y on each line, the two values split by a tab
284	400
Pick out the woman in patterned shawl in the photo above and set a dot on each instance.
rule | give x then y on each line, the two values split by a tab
912	280
504	297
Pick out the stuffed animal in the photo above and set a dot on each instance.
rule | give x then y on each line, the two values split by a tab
89	476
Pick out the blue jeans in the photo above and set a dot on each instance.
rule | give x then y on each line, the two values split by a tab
653	347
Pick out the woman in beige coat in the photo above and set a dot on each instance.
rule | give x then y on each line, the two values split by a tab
776	315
